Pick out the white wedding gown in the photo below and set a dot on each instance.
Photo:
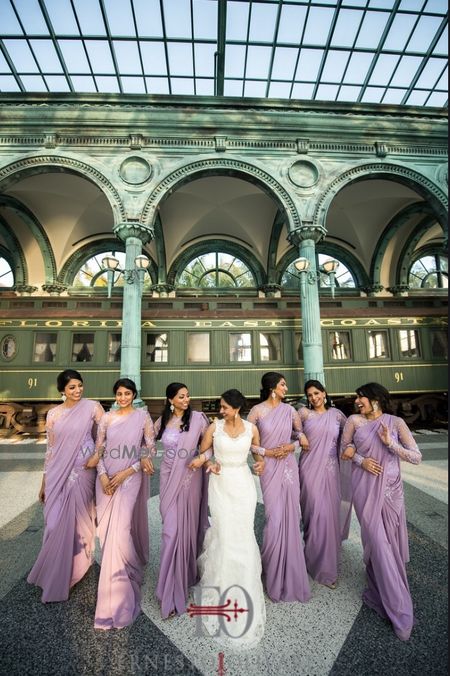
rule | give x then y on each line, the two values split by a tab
230	561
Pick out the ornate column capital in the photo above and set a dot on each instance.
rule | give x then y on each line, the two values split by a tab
309	231
24	289
163	289
271	290
372	289
399	289
54	289
133	229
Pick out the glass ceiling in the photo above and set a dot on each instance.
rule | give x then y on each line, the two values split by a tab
369	51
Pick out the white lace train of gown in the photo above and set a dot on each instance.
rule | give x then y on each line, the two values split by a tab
230	553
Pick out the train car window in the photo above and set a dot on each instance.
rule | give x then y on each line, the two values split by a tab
378	344
240	347
298	338
157	347
409	343
270	346
339	342
44	346
439	344
198	348
8	349
82	347
114	347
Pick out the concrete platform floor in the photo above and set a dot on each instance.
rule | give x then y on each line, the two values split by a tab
332	634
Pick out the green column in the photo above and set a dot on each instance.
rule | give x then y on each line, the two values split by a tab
305	238
134	235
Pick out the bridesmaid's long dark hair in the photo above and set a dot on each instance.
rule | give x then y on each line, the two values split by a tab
269	381
171	390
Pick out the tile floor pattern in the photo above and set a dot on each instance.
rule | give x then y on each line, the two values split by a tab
332	634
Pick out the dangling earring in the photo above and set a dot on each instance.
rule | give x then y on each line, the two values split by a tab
273	394
325	400
63	397
172	408
235	415
375	406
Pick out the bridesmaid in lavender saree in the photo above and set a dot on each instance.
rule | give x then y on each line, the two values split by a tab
326	516
376	441
183	498
122	492
67	491
283	559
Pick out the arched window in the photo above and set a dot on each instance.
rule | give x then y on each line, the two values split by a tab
92	273
344	278
6	273
429	272
216	270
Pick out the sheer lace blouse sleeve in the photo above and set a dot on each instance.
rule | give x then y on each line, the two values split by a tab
406	447
252	416
49	424
100	442
149	436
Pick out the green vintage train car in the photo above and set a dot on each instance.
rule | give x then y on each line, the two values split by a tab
212	344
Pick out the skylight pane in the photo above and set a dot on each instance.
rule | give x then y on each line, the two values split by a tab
62	17
441	46
133	85
120	18
204	87
237	20
157	85
284	63
177	17
4	68
372	95
423	34
33	83
381	4
372	29
335	64
205	19
347	25
127	56
148	18
204	59
154	58
431	73
292	20
358	67
326	92
254	89
442	83
31	17
74	56
8	83
279	90
107	84
438	100
10	25
308	64
46	56
385	66
262	22
234	61
180	58
258	61
318	25
438	6
417	98
399	32
182	86
90	17
394	96
57	83
347	93
100	56
83	83
21	55
412	5
302	91
406	70
233	87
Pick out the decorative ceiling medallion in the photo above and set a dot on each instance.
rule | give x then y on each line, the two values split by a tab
135	170
304	174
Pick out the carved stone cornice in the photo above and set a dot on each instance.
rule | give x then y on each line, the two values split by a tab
133	229
310	231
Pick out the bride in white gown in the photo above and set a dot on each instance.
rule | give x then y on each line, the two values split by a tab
230	563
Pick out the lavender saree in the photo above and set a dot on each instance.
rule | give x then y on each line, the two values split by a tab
282	554
380	508
122	519
326	516
184	512
69	515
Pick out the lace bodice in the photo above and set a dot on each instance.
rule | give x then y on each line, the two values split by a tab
232	451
